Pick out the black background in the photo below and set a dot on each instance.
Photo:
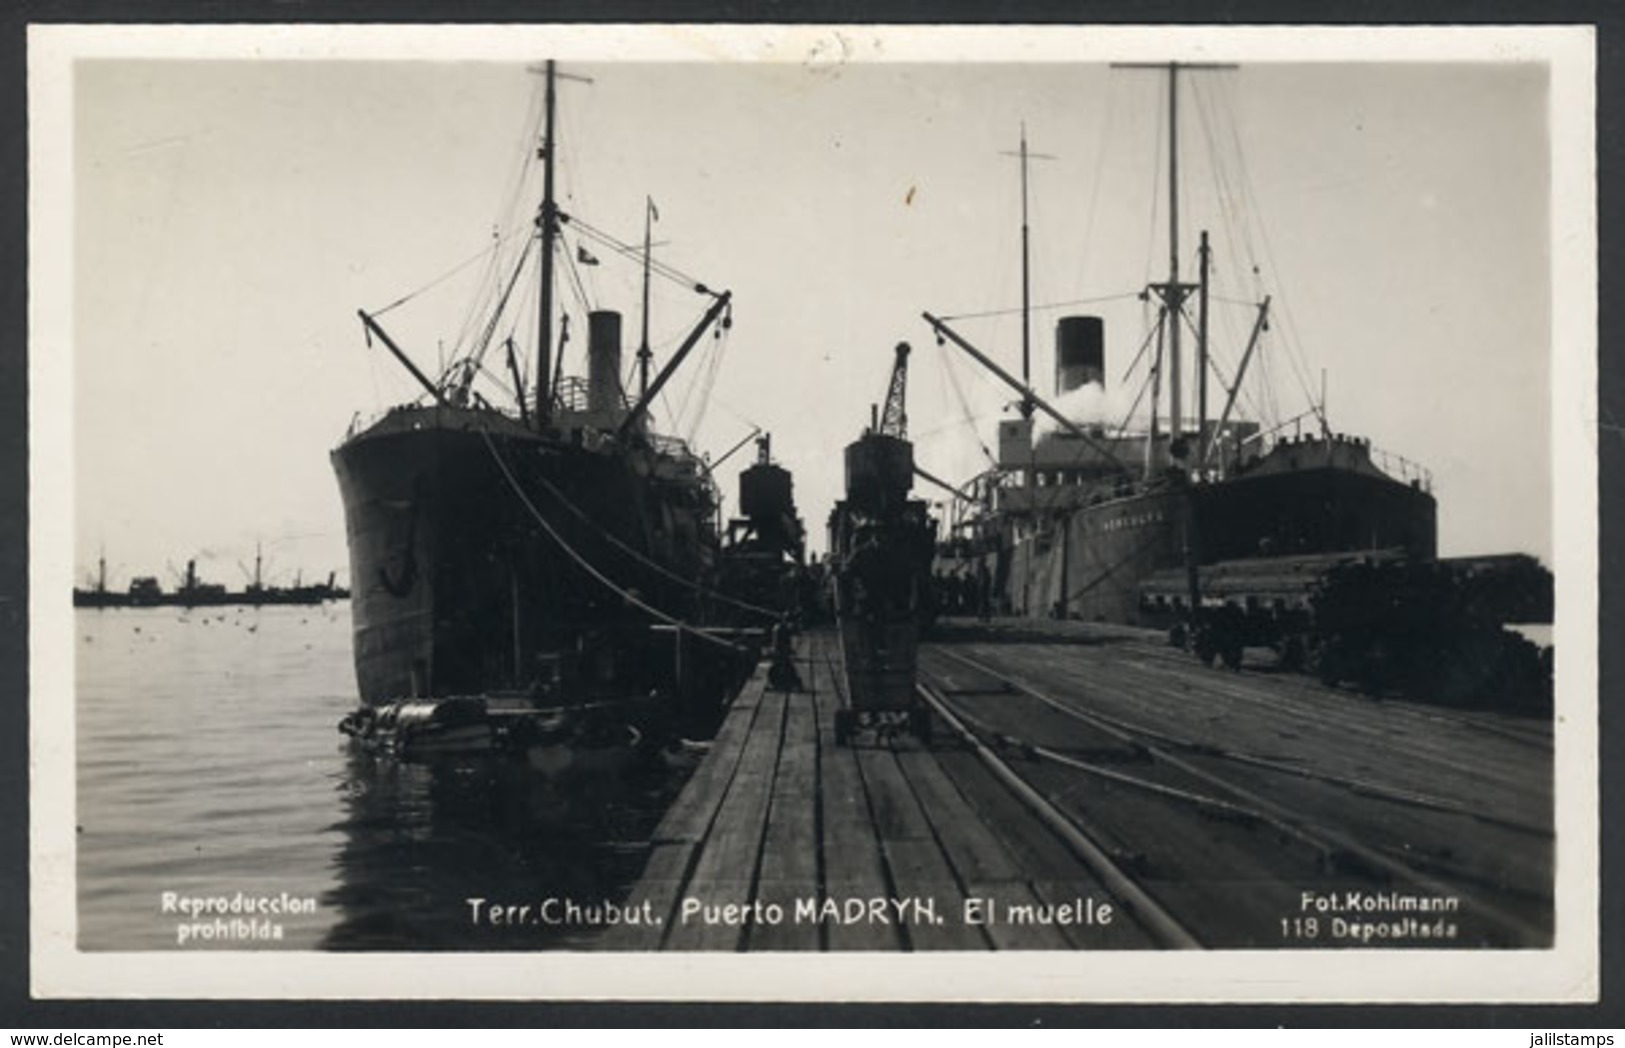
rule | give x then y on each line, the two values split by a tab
18	1011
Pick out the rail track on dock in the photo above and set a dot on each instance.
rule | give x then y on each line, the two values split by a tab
1081	789
1260	810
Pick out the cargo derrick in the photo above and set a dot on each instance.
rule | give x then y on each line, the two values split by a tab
881	543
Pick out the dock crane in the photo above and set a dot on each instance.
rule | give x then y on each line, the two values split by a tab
881	543
894	419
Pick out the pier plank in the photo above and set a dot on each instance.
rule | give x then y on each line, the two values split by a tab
894	836
934	905
789	867
896	811
1055	874
726	869
664	877
1392	744
980	860
853	866
1123	931
915	861
975	852
1009	901
690	816
849	850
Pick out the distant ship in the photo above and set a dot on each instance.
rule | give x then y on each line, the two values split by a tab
554	549
145	591
1227	533
1073	521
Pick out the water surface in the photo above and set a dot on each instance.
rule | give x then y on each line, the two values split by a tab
209	764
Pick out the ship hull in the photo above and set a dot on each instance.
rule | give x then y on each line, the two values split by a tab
486	557
1089	563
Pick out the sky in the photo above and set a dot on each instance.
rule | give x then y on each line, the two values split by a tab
229	217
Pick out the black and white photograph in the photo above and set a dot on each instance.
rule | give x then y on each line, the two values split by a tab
1073	514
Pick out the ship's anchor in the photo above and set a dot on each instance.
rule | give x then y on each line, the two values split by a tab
409	566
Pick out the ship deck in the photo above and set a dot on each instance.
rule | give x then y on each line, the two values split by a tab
1190	807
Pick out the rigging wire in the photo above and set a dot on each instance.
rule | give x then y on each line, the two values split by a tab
634	252
570	551
1113	102
524	308
1014	310
1245	395
1156	186
713	351
530	135
484	252
477	306
1238	245
709	380
578	285
1153	331
697	387
969	416
508	216
1293	341
653	565
484	344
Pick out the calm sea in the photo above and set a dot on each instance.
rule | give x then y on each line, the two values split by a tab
210	764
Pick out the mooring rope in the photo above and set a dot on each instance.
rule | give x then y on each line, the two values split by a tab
581	562
581	515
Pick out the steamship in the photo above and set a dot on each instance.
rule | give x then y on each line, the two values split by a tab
1106	521
554	549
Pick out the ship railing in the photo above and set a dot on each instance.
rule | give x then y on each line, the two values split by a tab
673	447
1403	469
677	451
1395	465
571	394
366	420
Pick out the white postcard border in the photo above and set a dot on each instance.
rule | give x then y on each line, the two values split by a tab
1568	972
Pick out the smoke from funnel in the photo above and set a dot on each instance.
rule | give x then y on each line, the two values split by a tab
1080	378
1091	405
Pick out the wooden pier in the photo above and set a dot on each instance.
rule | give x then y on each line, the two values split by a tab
875	847
783	840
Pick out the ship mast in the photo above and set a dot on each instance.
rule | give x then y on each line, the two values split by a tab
1026	281
1026	285
1173	293
1204	254
1026	275
548	220
644	353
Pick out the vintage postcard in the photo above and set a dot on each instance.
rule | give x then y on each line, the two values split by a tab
794	513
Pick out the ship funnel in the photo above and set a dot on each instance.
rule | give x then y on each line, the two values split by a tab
604	361
1080	353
